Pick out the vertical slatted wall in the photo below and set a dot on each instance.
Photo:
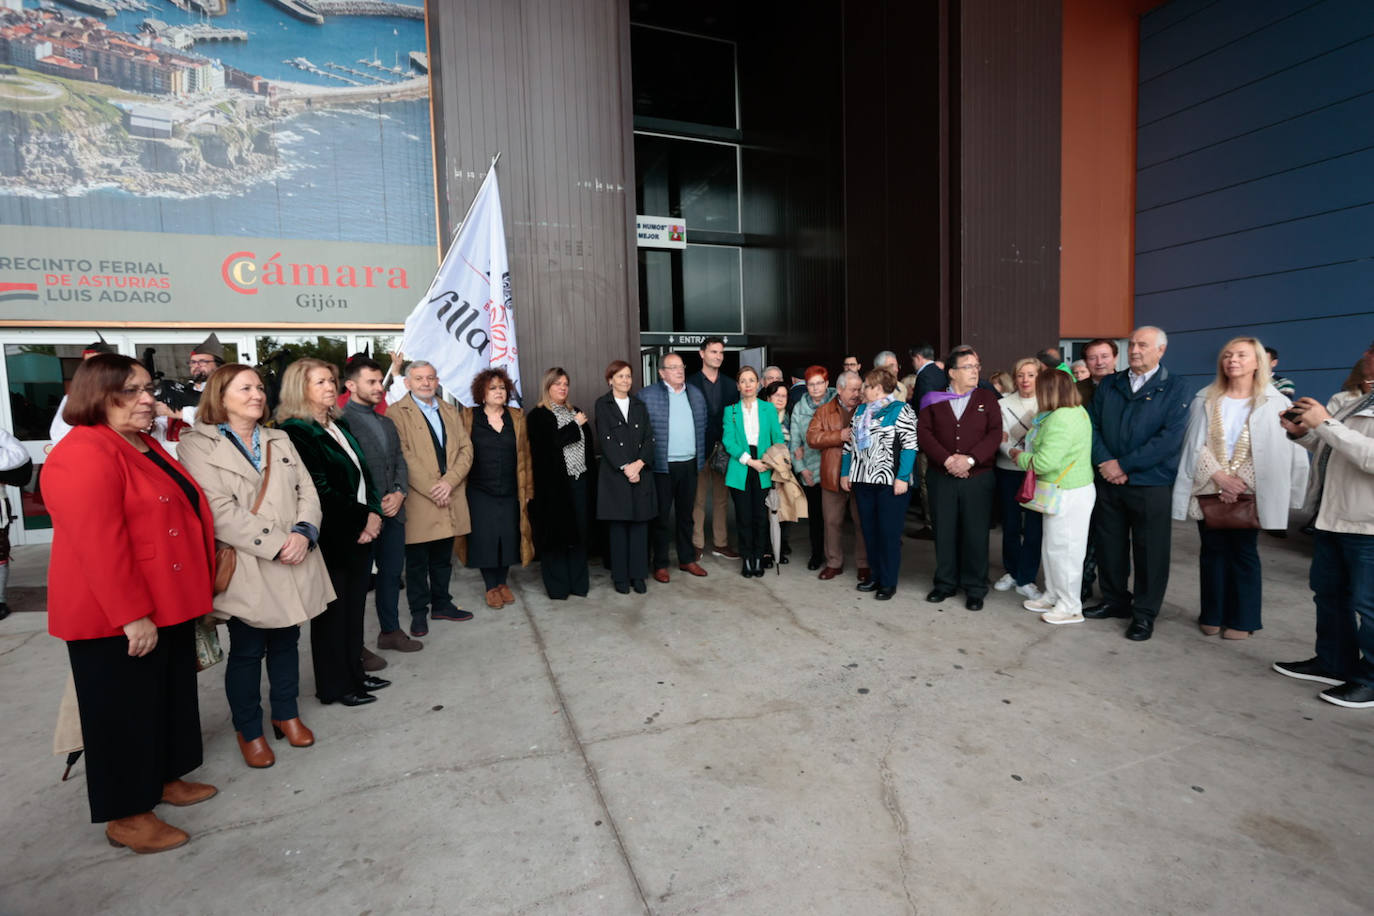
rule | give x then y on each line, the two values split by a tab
546	84
1255	201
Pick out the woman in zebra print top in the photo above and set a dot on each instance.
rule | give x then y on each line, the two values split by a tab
877	466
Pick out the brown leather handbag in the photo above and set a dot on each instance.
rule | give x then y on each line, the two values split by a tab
226	558
1240	514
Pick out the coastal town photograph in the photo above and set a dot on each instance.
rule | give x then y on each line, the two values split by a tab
300	119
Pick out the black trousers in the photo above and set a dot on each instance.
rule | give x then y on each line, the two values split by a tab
677	493
248	646
336	636
751	517
629	543
1133	524
139	718
1230	578
815	521
962	507
429	567
565	568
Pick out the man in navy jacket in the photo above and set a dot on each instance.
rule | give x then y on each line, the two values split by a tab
1138	416
678	414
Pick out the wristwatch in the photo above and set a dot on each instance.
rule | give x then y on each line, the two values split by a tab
971	462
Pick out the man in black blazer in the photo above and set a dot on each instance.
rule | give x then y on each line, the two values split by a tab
929	377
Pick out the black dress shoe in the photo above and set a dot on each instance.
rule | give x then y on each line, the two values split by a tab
767	561
815	563
622	588
1140	630
974	604
937	595
885	593
867	585
1104	609
639	586
784	559
352	699
746	569
375	683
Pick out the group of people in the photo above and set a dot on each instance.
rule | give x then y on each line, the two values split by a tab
268	527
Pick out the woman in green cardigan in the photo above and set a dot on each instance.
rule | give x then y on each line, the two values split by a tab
1060	451
750	428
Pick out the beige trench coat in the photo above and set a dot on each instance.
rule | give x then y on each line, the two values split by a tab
425	519
263	592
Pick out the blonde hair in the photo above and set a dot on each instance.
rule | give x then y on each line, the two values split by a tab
295	384
1262	376
1027	361
553	375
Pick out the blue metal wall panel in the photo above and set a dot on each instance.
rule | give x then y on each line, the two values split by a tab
1255	182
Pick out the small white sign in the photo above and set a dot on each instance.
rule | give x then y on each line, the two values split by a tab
660	232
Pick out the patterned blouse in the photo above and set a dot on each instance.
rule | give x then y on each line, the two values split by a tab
879	463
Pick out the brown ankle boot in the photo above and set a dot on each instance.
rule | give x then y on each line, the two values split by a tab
181	793
144	833
294	731
494	598
256	753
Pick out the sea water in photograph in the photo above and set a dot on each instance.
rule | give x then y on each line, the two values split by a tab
339	150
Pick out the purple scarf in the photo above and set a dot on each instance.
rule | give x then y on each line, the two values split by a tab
939	397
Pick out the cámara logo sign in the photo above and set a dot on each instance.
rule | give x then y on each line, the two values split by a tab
244	273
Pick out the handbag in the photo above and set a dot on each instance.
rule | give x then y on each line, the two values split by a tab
208	650
1027	491
1241	514
719	460
226	558
1047	495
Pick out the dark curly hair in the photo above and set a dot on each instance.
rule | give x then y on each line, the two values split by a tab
484	378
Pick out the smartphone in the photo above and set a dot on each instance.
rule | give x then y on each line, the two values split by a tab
1293	415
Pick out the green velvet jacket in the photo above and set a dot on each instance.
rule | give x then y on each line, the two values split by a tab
336	481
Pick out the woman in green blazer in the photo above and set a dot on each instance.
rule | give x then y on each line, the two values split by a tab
750	427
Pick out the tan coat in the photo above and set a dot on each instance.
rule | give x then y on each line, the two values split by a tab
524	484
790	497
264	592
426	520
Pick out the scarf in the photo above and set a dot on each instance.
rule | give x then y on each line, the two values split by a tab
574	455
867	418
254	455
939	397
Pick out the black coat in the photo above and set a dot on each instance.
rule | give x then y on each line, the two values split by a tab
617	499
551	511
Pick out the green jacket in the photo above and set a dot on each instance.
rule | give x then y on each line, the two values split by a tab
336	480
770	433
1062	438
802	413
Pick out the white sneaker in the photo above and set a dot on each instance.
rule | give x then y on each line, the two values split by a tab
1060	617
1029	591
1039	605
1005	583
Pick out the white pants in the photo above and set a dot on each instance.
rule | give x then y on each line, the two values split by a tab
1064	542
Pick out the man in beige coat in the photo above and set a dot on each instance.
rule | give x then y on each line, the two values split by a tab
438	454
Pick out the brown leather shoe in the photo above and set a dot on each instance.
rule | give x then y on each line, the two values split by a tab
372	661
181	793
661	575
494	598
693	568
256	753
398	641
144	833
507	596
830	572
865	574
294	731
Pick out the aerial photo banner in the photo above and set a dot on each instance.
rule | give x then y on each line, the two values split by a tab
214	161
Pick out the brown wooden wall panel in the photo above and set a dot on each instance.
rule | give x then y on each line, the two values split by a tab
1008	177
546	84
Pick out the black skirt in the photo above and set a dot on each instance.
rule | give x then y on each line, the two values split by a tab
495	537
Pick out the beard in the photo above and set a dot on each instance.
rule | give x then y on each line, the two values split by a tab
200	376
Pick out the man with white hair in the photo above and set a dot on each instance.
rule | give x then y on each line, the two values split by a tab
888	360
1139	416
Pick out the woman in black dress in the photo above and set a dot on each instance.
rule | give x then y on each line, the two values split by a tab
499	486
625	497
560	446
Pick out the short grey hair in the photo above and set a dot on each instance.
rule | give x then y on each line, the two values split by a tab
880	361
1161	339
843	378
778	369
420	364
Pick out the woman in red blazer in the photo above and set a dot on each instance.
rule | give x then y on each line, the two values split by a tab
131	569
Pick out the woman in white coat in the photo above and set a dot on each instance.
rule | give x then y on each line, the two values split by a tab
1235	448
279	580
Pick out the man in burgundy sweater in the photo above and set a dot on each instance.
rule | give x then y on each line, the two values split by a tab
959	430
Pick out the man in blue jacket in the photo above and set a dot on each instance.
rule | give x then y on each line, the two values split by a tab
678	414
1138	416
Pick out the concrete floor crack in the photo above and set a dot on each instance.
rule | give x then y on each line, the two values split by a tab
894	810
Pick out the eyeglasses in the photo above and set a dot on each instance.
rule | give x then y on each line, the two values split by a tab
965	368
677	368
208	361
135	390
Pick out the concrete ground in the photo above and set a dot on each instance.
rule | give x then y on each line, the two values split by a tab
779	745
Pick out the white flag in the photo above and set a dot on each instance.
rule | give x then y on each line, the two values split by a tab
465	323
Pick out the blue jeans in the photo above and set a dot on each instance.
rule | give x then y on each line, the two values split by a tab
243	674
1229	572
881	515
1021	529
389	553
1342	581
